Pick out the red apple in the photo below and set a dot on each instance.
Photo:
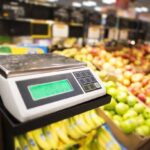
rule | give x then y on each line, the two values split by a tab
142	97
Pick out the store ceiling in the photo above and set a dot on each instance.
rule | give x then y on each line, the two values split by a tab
137	3
68	3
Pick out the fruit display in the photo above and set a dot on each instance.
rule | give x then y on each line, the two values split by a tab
60	135
118	66
100	139
130	115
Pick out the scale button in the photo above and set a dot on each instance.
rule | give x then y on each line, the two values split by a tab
87	80
86	88
93	87
83	74
88	73
97	85
92	79
77	74
82	81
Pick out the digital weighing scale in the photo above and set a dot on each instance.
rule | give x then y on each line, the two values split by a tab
32	86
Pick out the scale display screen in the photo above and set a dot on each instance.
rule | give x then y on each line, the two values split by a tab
45	90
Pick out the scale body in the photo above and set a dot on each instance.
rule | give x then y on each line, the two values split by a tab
32	86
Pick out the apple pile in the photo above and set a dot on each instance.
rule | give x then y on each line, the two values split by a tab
138	84
130	115
115	67
139	56
125	110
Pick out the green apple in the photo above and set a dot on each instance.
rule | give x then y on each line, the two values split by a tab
123	89
131	100
102	74
112	112
139	108
112	91
130	113
147	122
121	108
140	120
122	96
128	126
117	117
146	113
110	84
111	105
142	130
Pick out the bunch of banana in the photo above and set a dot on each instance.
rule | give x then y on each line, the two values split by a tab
88	121
61	135
107	141
100	139
17	144
31	141
23	143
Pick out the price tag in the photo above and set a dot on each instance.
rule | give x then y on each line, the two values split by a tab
60	30
124	34
94	32
113	34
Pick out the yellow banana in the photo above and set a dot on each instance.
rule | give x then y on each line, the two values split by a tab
94	144
90	137
61	131
71	132
75	129
41	139
61	145
51	136
89	120
79	120
101	141
109	137
33	145
17	144
23	142
96	119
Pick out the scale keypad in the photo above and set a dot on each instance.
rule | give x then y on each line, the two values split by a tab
87	80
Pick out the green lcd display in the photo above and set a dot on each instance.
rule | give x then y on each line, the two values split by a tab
45	90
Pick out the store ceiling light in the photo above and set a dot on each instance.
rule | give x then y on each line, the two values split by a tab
144	9
108	1
141	9
89	3
76	4
97	8
138	9
52	1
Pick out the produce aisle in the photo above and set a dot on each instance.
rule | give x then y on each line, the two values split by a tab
74	75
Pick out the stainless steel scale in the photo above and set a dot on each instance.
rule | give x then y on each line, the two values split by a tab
35	85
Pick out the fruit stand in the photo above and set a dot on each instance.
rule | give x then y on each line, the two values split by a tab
128	114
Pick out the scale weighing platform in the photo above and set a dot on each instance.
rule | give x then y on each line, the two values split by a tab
32	86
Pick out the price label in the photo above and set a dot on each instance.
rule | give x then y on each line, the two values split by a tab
124	34
94	32
60	30
113	34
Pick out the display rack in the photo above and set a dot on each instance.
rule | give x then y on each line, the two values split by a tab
10	127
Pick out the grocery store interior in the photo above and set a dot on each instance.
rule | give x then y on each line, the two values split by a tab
74	75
